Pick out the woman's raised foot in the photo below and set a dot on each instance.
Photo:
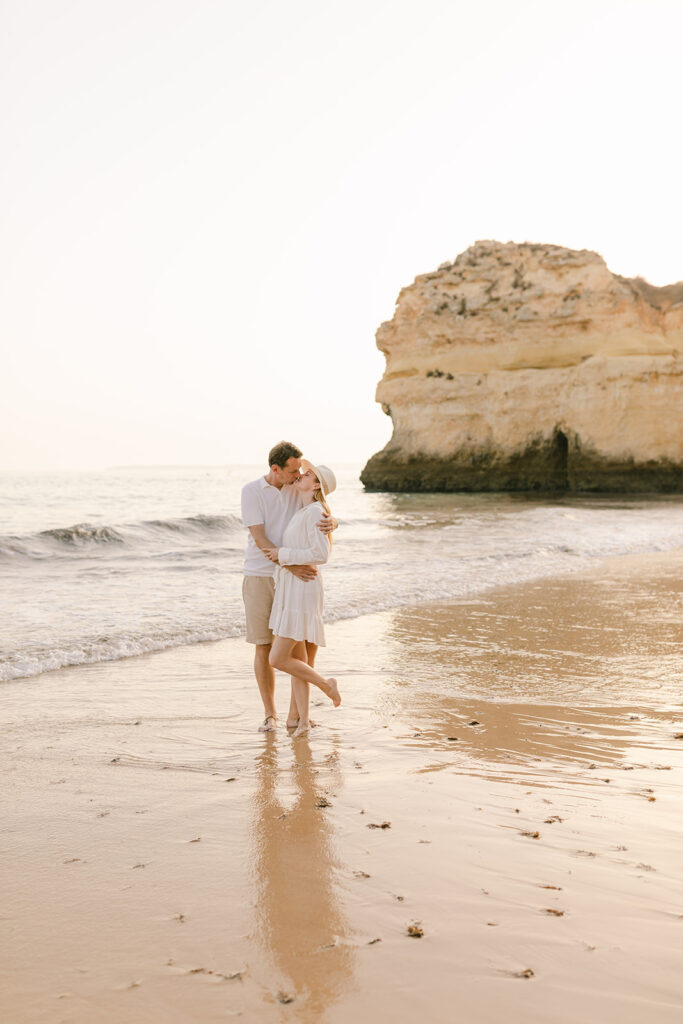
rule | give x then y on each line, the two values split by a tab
333	691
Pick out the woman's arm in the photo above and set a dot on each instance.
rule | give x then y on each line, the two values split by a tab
318	550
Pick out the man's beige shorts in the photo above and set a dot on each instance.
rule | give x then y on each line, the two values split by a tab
258	592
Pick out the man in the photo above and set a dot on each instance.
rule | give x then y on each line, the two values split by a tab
268	504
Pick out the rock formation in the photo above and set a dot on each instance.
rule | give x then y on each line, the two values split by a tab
532	367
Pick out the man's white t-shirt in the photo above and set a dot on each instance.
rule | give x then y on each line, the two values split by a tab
264	504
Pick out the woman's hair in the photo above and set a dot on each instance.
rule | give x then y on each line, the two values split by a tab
319	496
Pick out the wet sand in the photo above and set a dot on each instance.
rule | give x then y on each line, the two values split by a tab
162	861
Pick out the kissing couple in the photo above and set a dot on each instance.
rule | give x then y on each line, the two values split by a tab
290	527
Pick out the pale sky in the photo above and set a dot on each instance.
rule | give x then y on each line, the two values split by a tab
209	207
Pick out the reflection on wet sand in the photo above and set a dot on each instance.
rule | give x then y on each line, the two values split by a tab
576	675
301	926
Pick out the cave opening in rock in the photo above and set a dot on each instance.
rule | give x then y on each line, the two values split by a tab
561	459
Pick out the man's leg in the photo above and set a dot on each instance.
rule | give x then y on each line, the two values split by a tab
257	592
265	677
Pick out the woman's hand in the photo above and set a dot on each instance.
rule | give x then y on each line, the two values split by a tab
271	553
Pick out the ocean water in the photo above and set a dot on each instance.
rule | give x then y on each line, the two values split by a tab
96	566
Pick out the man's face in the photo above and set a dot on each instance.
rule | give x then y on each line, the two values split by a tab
289	474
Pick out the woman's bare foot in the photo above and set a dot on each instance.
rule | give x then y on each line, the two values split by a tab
302	729
333	691
293	722
268	724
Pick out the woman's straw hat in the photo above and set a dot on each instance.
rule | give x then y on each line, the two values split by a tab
328	480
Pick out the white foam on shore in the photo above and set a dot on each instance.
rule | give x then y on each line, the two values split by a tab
88	651
161	575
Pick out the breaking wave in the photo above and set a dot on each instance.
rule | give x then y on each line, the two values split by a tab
90	650
85	537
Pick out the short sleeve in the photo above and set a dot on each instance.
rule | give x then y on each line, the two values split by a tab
252	507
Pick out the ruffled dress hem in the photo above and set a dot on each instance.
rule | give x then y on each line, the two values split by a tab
298	625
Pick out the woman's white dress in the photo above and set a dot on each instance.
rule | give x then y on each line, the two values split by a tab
298	606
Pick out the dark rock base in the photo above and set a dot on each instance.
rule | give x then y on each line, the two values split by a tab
558	464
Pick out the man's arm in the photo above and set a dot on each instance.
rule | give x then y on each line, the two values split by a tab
259	534
302	572
328	523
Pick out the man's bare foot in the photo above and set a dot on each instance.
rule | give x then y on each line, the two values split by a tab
293	722
302	729
333	691
268	724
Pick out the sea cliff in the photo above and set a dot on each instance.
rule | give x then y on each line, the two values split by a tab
532	367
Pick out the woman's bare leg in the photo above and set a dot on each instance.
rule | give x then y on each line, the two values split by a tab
307	652
302	692
293	713
311	651
281	657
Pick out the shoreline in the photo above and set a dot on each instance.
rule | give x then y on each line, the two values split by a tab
166	861
597	566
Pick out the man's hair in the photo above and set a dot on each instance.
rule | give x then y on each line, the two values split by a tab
282	452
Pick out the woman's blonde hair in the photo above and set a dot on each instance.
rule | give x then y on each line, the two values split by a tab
319	496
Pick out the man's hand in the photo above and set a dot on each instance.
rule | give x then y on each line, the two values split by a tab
271	553
327	524
303	572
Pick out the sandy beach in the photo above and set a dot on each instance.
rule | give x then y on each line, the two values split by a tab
503	777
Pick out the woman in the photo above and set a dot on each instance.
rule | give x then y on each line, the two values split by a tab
297	616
